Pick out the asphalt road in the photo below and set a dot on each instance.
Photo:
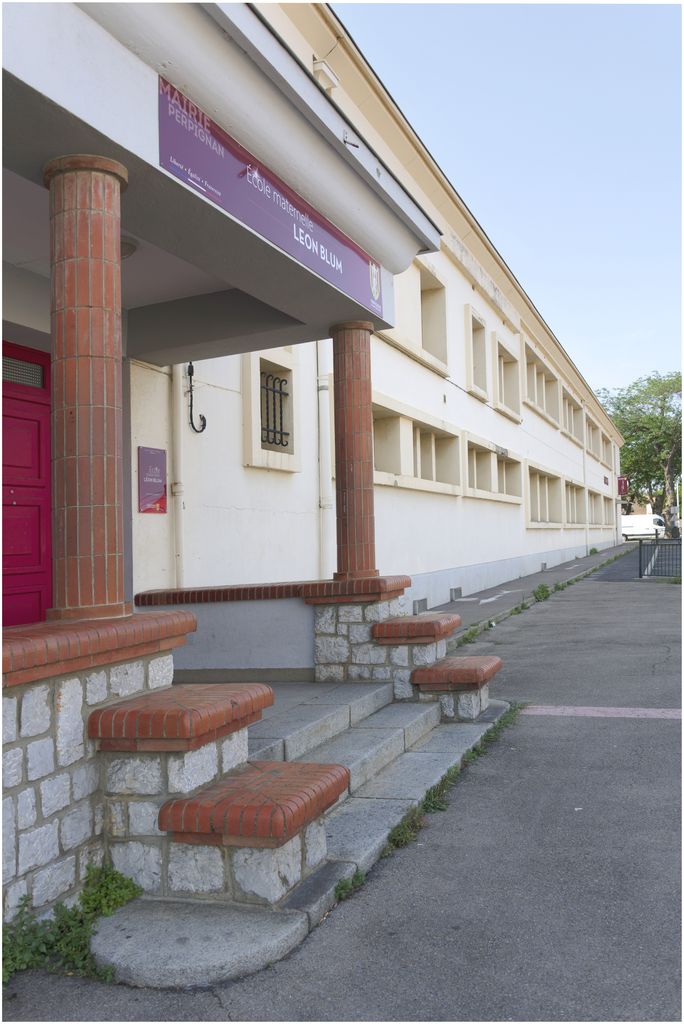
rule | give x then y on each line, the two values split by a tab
549	888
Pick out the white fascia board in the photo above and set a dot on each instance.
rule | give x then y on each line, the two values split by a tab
274	58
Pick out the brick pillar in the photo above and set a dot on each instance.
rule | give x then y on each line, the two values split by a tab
87	467
353	451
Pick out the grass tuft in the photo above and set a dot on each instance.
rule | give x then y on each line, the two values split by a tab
346	887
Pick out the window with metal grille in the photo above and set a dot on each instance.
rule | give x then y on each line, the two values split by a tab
19	371
276	407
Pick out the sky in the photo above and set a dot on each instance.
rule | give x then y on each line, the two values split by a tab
560	127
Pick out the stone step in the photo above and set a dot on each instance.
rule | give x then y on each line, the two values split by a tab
416	629
366	748
306	715
357	830
178	718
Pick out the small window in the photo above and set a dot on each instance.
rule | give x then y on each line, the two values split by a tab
480	475
595	502
476	354
276	407
542	386
608	512
545	497
433	315
509	476
574	504
507	380
573	420
605	450
593	438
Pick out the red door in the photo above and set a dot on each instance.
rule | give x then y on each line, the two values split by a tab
26	523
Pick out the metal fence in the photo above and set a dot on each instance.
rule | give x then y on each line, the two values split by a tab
660	558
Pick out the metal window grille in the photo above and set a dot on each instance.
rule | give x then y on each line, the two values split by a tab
273	419
19	371
660	558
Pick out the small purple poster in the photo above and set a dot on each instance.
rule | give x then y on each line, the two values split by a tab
195	149
151	480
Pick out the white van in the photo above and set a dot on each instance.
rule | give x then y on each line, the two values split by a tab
642	526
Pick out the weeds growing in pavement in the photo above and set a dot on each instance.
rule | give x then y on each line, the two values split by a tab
346	887
62	943
541	593
436	797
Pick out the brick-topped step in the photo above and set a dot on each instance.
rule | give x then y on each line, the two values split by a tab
178	718
264	804
416	629
457	673
460	684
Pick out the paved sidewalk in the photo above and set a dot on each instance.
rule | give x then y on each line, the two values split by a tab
497	602
549	888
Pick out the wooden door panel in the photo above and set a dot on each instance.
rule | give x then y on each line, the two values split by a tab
26	499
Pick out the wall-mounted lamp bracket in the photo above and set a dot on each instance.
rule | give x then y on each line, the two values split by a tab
202	419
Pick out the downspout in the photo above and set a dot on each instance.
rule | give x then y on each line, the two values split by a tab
586	488
326	497
177	420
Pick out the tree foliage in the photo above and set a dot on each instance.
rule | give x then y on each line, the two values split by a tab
648	413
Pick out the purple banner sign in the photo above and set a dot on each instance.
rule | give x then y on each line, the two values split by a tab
195	149
151	480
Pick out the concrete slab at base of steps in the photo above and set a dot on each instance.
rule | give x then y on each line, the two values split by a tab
184	943
179	944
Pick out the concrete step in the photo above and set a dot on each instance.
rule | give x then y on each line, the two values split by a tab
366	748
357	829
306	715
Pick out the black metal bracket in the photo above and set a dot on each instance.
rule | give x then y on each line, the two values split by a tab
203	422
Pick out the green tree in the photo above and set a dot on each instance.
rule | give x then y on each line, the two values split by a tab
648	413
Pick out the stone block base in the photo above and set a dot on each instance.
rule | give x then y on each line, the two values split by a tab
163	867
345	650
460	706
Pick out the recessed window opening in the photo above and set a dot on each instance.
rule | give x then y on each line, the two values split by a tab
433	319
479	468
574	504
595	509
542	385
509	476
545	498
508	380
276	407
608	512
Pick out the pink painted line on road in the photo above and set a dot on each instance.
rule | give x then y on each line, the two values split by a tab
573	712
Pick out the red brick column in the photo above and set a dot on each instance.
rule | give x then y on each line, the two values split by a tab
87	467
353	451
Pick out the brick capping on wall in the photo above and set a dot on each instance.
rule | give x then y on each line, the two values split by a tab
415	629
373	588
263	804
178	718
47	649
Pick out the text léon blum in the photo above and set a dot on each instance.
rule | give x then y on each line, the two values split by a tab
302	223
